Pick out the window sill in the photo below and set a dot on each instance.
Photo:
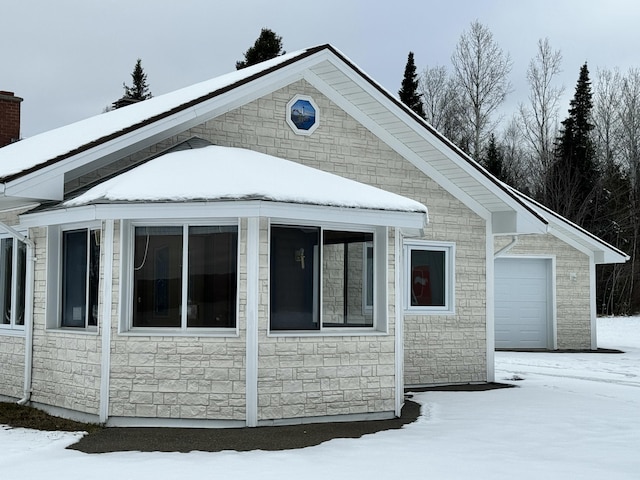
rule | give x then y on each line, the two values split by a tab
329	332
74	330
12	332
168	332
428	311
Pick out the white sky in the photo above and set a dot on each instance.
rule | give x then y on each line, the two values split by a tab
69	58
574	415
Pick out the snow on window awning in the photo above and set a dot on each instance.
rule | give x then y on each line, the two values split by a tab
224	173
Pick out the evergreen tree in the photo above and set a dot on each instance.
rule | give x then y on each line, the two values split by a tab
409	92
267	46
138	91
494	161
574	174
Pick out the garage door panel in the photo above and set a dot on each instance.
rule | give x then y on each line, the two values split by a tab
521	303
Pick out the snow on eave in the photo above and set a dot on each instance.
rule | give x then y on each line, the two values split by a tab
49	147
225	173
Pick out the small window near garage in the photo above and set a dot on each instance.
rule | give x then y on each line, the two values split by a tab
321	278
80	278
13	263
430	277
185	276
303	115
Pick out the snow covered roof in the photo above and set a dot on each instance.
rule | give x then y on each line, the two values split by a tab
224	173
42	149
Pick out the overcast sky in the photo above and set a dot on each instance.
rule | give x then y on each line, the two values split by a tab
68	59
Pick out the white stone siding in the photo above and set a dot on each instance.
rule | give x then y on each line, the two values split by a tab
11	346
66	364
318	375
180	377
439	348
573	304
204	377
11	366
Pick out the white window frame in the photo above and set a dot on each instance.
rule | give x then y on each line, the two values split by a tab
12	326
290	122
126	292
380	275
449	249
55	280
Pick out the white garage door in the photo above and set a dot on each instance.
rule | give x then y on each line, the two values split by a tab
522	303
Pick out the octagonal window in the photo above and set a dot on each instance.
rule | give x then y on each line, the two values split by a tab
302	115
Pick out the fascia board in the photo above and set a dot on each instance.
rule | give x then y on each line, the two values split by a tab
188	210
578	237
399	147
151	134
584	244
396	144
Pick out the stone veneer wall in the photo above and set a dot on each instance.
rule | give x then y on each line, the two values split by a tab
309	376
12	361
11	342
318	375
573	297
438	348
180	377
66	364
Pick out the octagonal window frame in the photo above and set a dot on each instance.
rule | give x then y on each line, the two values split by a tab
292	124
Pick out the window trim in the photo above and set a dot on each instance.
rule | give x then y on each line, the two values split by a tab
291	123
449	249
12	326
127	241
380	276
55	280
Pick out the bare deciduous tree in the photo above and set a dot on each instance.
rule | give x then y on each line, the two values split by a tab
481	69
539	119
441	100
606	121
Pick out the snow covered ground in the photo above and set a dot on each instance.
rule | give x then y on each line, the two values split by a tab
573	416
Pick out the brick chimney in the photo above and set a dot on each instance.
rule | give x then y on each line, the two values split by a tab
9	118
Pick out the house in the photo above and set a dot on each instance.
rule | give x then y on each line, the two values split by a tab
286	243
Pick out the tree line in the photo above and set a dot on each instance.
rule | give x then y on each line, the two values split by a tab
585	167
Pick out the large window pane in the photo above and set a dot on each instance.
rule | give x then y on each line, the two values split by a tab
21	282
6	270
212	276
74	278
428	282
157	277
294	278
345	278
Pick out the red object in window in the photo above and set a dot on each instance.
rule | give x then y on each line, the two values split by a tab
421	285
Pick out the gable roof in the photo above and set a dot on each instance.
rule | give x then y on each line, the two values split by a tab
575	235
36	168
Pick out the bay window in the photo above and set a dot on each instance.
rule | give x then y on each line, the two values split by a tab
13	264
184	276
321	278
80	278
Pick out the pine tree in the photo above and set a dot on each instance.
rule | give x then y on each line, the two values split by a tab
494	161
409	92
138	91
267	46
574	175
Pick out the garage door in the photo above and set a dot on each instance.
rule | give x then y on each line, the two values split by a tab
522	303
